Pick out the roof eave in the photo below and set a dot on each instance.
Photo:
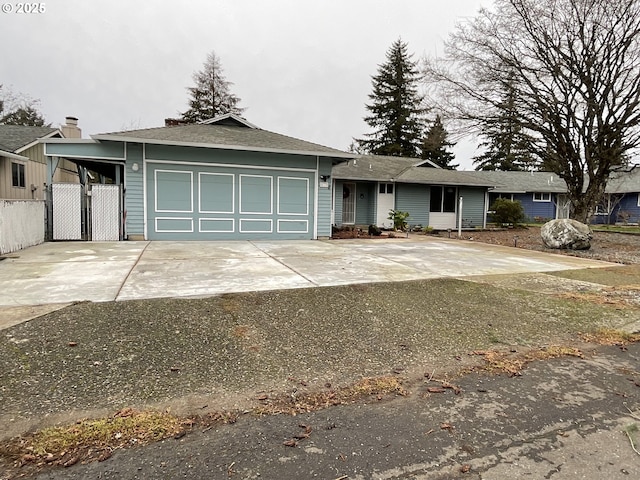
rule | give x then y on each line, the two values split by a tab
38	140
120	138
12	156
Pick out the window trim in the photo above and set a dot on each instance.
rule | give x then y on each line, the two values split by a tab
21	175
544	197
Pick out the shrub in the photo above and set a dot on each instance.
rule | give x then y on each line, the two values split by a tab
399	219
507	212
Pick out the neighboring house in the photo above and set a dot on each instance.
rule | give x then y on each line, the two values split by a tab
368	187
543	195
23	167
222	179
622	198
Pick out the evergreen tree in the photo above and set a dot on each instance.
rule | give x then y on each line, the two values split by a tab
507	146
211	96
396	113
435	145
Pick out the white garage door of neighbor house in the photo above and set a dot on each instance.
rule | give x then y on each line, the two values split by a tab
187	202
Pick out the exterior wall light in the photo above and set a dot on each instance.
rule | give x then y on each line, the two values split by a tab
135	167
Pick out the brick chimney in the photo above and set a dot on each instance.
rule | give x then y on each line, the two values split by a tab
70	129
174	122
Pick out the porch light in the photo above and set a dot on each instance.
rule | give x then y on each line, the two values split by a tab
135	167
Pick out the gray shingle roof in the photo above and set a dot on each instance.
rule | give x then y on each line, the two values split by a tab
522	182
373	167
403	170
13	137
624	182
224	136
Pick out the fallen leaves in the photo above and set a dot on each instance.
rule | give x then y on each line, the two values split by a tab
513	363
293	442
610	336
301	402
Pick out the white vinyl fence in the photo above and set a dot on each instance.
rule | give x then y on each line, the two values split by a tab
21	224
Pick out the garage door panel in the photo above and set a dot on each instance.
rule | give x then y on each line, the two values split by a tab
256	194
173	191
293	226
293	195
217	225
255	226
216	192
174	225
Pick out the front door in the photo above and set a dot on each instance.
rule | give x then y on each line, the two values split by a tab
386	202
349	203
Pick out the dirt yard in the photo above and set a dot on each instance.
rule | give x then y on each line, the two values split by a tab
606	246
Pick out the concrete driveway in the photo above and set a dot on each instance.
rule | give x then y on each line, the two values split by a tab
62	272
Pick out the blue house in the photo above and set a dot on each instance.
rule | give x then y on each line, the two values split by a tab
366	188
543	195
622	198
222	179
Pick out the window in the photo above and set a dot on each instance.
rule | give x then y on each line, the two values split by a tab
17	175
385	188
443	199
541	197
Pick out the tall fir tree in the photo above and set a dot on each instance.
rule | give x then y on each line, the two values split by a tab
507	146
396	112
211	96
435	145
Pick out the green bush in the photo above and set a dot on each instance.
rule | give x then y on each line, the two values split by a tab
399	219
507	212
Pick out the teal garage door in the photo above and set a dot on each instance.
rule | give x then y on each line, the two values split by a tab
187	202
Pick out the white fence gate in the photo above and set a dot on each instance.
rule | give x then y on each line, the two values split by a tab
77	215
67	211
105	213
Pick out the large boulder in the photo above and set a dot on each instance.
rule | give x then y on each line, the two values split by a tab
566	233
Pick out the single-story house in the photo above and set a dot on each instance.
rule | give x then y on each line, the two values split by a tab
543	195
23	166
622	198
222	179
366	188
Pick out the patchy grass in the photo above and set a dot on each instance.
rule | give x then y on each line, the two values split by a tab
96	439
624	296
91	439
512	363
293	404
610	336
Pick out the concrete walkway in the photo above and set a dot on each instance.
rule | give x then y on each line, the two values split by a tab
63	272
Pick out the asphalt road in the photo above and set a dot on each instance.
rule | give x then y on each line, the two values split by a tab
561	419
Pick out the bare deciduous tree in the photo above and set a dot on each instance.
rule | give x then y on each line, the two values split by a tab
574	66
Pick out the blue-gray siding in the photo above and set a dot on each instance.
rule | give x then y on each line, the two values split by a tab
324	199
134	196
473	207
414	199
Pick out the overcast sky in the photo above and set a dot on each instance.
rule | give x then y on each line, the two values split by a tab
302	68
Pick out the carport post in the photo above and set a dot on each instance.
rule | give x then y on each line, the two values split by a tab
460	217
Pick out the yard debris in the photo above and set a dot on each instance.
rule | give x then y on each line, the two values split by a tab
466	468
610	336
446	426
303	402
512	364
